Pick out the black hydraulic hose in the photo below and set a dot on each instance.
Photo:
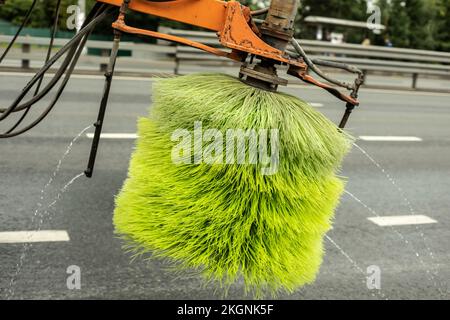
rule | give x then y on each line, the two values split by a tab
24	22
74	59
15	107
49	52
49	86
57	96
314	68
52	39
73	42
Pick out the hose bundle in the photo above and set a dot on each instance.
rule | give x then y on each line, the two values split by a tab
72	51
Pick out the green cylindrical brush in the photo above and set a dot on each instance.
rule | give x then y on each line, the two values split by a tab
233	181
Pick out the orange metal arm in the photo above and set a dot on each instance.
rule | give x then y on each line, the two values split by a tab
233	24
208	14
158	35
230	20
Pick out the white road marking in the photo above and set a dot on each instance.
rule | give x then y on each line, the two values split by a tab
34	236
390	138
114	135
316	105
401	220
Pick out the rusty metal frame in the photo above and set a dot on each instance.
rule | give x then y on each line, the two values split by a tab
208	14
231	20
235	28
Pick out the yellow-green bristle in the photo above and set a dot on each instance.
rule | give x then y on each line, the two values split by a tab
232	220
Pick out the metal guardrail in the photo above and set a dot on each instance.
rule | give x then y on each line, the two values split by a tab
143	56
169	56
367	58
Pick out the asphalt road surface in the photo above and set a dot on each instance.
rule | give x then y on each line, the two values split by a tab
413	260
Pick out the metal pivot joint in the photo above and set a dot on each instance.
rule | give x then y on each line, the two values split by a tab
277	30
278	27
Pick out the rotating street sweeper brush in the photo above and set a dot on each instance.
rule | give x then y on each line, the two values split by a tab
257	210
229	176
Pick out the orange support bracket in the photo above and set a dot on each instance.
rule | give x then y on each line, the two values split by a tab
120	25
231	21
208	14
234	26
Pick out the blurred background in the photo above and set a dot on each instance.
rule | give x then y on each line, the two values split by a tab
418	24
